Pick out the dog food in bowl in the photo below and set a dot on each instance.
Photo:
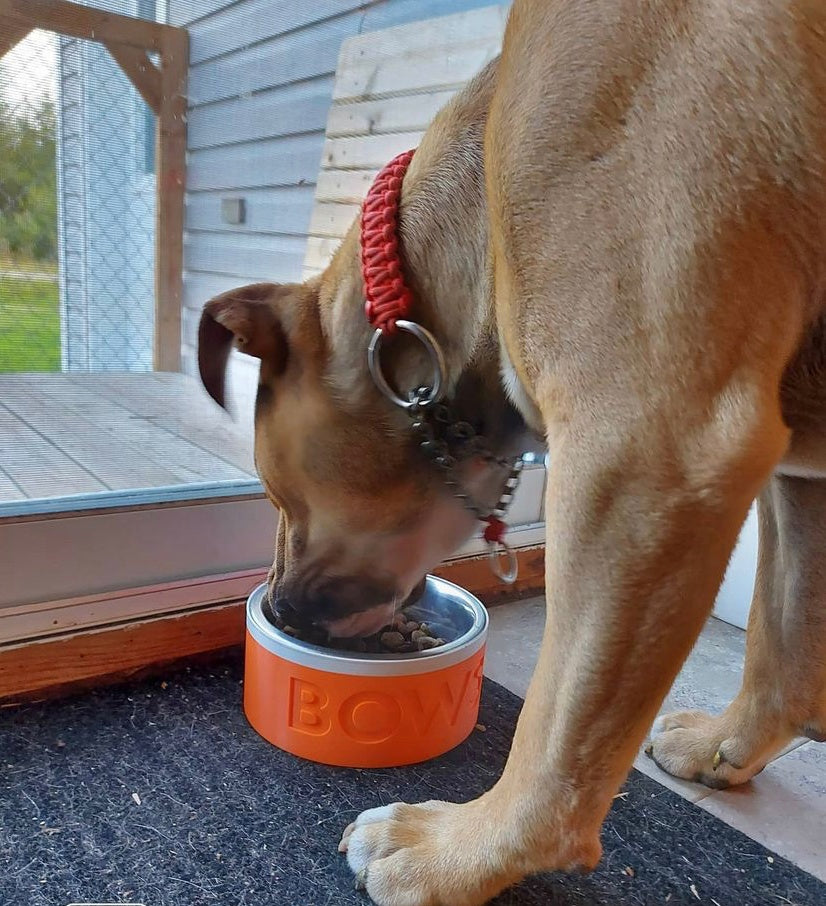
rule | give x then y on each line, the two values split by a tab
373	708
403	635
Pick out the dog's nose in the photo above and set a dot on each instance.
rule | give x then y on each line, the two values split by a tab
285	611
314	606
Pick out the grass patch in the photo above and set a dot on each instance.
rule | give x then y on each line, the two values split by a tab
29	325
27	265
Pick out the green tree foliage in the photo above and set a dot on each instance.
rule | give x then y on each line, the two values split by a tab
28	193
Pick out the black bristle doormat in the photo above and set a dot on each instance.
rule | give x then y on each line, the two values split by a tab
160	793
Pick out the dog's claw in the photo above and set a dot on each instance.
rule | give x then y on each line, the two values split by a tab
345	837
360	882
717	760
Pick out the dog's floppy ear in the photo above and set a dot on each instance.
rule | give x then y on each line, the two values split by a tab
247	315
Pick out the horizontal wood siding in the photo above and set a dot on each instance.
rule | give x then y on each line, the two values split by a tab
240	25
260	89
290	160
292	57
281	209
247	257
286	110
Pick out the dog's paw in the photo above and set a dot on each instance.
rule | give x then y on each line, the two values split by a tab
419	855
699	747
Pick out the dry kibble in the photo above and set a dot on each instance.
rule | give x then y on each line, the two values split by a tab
392	640
402	635
425	643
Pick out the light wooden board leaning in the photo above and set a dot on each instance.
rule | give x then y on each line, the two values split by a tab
389	85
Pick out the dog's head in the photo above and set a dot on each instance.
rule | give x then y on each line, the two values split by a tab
363	515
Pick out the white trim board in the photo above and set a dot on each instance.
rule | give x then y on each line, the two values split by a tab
39	621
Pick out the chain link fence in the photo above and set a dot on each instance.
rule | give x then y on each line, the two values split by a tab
77	211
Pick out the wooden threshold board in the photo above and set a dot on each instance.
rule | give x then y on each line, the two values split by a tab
66	664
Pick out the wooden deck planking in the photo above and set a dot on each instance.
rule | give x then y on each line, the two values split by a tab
96	438
71	434
161	401
8	489
37	466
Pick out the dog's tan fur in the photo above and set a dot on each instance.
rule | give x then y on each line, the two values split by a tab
645	266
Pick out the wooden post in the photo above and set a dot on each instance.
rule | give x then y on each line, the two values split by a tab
12	33
170	188
68	18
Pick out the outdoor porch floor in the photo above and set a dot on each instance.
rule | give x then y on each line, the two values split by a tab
63	434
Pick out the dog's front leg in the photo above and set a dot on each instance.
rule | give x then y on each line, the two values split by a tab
640	525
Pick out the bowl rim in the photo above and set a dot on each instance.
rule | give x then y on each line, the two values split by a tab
355	663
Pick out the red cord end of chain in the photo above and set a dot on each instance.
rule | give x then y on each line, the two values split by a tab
494	530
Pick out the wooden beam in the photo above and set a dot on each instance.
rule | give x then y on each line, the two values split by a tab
141	71
28	670
12	33
474	574
68	18
170	187
63	664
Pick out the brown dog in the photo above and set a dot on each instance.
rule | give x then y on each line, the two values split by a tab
624	218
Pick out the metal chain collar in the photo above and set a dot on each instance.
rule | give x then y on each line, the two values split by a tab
388	303
447	443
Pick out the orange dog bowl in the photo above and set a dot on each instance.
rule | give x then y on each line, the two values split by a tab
368	710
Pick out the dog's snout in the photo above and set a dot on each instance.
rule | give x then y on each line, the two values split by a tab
298	618
303	604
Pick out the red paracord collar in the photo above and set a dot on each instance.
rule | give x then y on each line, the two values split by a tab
387	296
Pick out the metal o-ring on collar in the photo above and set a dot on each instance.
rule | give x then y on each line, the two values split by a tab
434	353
